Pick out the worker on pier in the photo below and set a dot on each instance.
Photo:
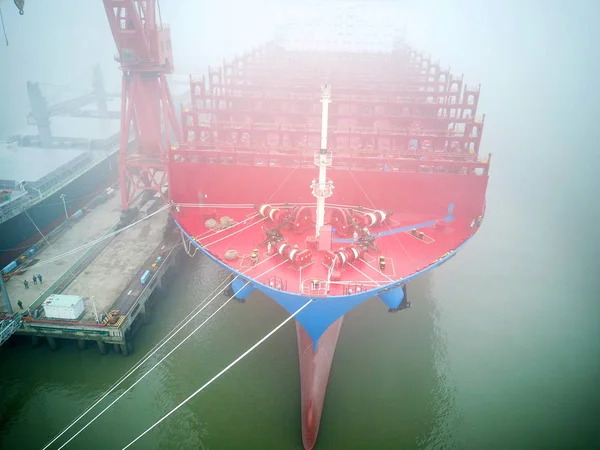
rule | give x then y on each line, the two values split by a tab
39	278
26	284
20	303
34	279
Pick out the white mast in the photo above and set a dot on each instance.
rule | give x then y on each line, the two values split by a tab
323	188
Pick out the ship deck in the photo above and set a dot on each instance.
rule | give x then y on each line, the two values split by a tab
79	143
404	253
398	133
20	163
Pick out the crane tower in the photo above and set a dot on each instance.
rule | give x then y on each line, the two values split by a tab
146	56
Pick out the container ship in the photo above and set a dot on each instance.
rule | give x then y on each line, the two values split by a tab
319	170
330	178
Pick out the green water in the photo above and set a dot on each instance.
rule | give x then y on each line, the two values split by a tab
501	349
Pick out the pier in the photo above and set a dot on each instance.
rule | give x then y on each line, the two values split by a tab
91	258
114	266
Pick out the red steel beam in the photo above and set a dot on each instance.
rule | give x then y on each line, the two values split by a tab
146	56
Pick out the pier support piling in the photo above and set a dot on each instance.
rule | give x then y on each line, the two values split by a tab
126	348
102	347
81	343
35	341
53	343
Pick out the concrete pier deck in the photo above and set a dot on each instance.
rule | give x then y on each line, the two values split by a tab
113	269
108	275
90	227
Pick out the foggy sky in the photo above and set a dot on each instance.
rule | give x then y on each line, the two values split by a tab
543	48
536	61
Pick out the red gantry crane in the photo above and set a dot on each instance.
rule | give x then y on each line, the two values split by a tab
146	57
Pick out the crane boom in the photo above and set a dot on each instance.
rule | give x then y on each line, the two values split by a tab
146	56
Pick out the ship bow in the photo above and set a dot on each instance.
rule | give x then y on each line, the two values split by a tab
315	365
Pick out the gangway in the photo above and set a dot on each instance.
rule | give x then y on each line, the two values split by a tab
9	326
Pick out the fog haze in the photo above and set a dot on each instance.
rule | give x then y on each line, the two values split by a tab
518	310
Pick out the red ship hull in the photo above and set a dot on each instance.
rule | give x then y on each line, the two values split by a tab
314	375
396	155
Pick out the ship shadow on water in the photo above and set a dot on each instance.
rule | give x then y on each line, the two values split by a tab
387	389
388	386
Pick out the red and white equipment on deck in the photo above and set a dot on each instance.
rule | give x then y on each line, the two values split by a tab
344	255
297	257
276	215
370	219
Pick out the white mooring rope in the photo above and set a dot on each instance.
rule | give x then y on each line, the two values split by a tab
94	242
209	382
164	357
151	353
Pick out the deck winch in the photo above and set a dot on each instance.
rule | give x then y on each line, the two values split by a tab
297	257
273	213
376	217
339	220
344	255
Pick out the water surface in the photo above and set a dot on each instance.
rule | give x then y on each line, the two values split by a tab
501	348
